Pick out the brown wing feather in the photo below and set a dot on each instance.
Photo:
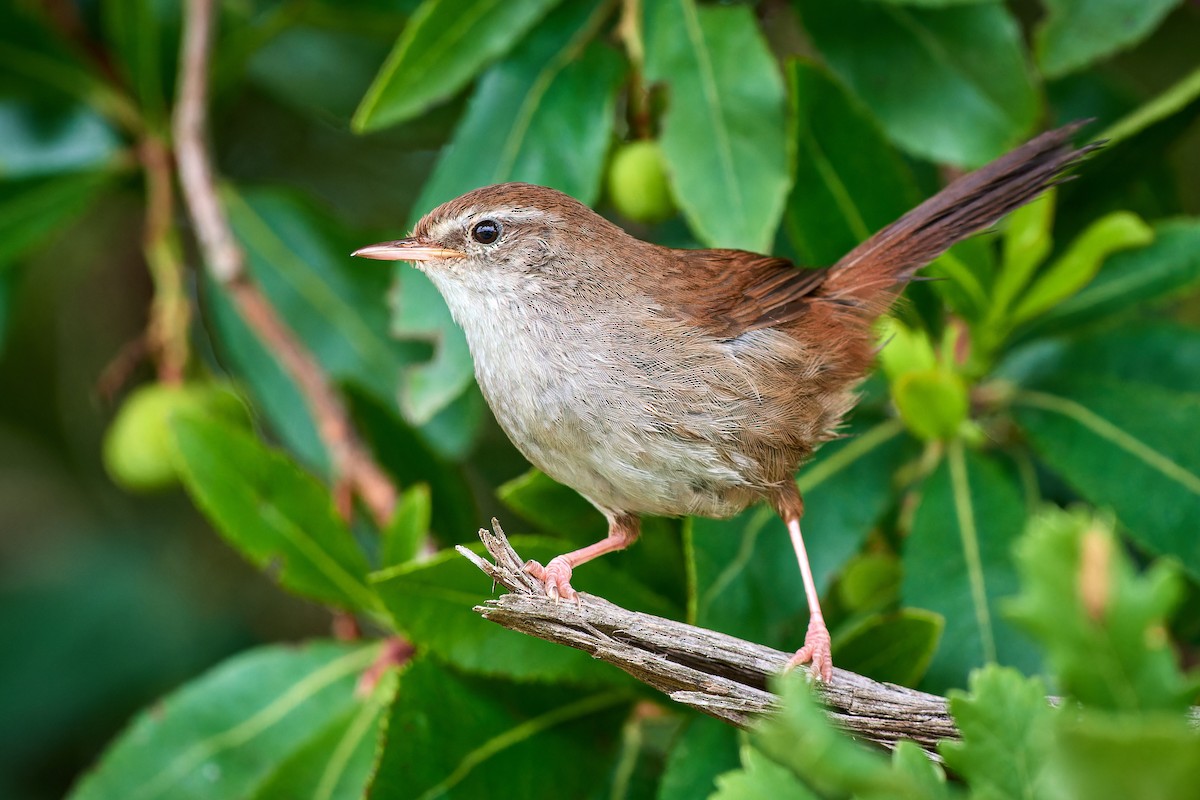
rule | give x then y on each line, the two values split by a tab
735	291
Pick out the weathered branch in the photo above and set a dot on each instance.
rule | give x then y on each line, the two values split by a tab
717	674
353	467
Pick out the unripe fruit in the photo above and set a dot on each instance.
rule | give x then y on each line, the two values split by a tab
637	182
932	402
137	447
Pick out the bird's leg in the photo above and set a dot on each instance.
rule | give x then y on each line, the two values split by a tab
816	649
556	575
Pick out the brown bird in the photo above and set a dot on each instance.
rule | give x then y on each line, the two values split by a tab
678	382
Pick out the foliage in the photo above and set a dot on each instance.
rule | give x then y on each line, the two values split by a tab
1056	363
1094	743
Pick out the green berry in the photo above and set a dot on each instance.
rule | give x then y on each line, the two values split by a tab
637	183
932	402
137	448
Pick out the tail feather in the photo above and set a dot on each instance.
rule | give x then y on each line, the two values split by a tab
872	274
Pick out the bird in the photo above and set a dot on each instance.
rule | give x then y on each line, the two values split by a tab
677	382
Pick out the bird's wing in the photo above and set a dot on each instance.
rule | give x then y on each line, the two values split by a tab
731	292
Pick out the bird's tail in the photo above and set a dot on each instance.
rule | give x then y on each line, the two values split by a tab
872	274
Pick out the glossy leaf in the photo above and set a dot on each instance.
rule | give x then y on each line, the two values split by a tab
432	603
552	100
1101	624
895	648
1075	268
526	742
849	180
336	304
707	748
1129	447
275	514
747	581
724	134
337	762
957	563
948	84
1006	728
1075	33
223	734
408	530
1132	278
443	46
46	137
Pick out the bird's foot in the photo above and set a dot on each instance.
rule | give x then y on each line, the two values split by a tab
555	576
816	651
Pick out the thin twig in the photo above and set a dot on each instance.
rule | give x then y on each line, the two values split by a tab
353	467
720	675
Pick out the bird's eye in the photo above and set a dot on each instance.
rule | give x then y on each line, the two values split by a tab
486	232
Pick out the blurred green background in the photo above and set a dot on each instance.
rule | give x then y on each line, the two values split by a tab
109	598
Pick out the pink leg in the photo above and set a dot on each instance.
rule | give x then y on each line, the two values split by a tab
556	575
817	648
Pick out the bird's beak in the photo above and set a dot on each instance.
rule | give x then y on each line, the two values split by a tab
406	250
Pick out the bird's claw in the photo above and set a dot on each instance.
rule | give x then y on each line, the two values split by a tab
816	652
555	577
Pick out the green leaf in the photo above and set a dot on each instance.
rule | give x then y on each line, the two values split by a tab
1166	355
144	36
1102	626
223	734
409	527
37	63
1129	447
948	84
337	762
275	514
443	46
1028	239
849	180
404	454
724	132
31	210
919	770
1126	757
1076	268
432	603
1075	33
870	582
1006	728
746	578
895	648
759	778
957	563
707	748
335	304
1130	279
1172	100
553	101
448	735
656	559
321	70
801	738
